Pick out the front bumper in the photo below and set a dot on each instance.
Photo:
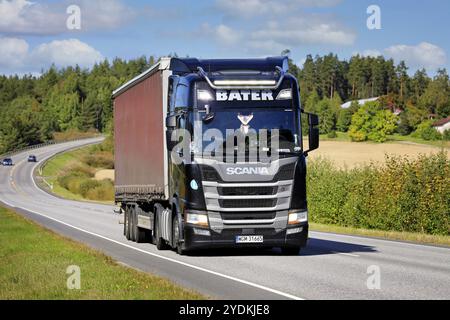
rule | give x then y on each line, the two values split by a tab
196	237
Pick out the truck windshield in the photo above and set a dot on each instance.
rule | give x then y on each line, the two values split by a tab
225	123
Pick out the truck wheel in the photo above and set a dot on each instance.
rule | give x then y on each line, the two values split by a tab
127	223
158	241
141	234
132	223
290	251
176	236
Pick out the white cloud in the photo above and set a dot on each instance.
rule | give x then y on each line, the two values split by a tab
251	8
221	34
104	14
277	25
26	17
22	16
13	52
308	30
65	52
424	54
18	58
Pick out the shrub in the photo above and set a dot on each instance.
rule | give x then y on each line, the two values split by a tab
103	192
100	159
332	135
344	120
446	135
426	131
372	123
402	195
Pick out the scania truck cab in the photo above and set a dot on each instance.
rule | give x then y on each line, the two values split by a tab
234	159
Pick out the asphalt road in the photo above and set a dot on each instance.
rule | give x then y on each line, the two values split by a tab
331	267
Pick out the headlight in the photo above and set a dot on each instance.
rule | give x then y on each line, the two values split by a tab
296	217
204	95
285	94
197	219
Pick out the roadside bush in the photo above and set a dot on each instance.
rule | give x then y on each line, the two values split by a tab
401	195
332	135
426	131
100	159
446	135
371	122
103	192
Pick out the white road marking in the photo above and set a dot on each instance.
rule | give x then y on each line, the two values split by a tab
252	284
346	254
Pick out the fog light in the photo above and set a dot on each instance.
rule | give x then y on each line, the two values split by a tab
296	217
294	230
202	232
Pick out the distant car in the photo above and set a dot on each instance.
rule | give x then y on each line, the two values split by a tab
7	162
32	158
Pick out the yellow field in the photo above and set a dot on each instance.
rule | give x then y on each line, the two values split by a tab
351	154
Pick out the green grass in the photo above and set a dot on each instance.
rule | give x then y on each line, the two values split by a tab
390	235
33	264
61	164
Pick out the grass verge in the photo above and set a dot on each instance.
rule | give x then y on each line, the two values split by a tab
71	175
389	235
33	264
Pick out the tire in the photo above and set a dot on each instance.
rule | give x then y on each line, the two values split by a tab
127	222
158	240
132	223
141	234
176	236
290	251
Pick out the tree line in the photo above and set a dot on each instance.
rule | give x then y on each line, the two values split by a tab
33	109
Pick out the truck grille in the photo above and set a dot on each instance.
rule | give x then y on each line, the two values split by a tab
247	203
247	191
249	215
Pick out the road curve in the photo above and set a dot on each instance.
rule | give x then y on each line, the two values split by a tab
331	267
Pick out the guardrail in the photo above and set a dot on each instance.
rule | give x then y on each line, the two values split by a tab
37	146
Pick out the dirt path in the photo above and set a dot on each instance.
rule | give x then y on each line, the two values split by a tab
104	174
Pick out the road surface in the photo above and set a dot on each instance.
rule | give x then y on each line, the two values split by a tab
331	267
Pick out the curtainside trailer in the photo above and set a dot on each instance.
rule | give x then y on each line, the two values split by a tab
209	154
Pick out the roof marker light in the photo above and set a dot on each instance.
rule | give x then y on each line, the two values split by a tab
285	94
245	82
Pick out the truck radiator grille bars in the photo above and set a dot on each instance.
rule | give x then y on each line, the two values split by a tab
247	191
247	203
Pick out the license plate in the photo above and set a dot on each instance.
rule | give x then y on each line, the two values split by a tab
249	239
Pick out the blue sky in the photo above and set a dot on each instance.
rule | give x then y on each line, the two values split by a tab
34	35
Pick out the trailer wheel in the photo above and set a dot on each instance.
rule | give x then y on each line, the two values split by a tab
158	240
176	236
126	227
133	223
141	234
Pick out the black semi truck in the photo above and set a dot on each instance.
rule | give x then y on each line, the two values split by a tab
209	154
